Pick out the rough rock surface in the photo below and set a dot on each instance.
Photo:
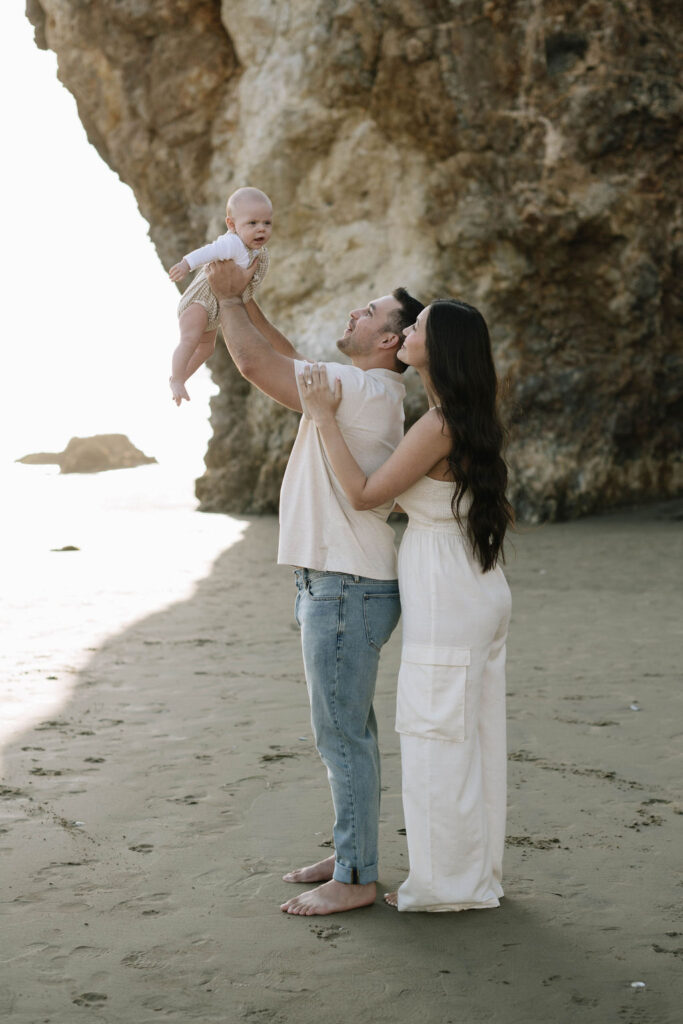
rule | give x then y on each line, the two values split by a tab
92	455
523	155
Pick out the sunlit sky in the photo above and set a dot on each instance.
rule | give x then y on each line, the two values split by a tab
89	318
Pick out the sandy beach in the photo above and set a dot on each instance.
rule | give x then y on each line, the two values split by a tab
149	814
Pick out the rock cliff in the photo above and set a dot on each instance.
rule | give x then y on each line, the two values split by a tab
523	155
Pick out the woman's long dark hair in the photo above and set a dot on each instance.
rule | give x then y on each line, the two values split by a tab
464	379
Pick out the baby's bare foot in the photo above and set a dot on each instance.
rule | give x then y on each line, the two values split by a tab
320	872
391	898
331	898
178	390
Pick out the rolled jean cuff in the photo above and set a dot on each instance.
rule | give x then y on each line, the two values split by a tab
355	876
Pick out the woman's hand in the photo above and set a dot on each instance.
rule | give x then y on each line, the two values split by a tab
321	403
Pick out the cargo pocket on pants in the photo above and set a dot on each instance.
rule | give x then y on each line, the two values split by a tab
432	689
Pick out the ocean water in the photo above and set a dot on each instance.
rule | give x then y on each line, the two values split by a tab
142	546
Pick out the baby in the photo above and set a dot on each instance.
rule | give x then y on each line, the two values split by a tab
249	220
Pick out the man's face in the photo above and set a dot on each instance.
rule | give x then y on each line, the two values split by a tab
368	326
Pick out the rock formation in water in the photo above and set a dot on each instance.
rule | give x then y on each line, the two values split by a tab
522	155
92	455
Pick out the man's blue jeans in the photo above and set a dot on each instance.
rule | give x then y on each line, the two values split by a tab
345	620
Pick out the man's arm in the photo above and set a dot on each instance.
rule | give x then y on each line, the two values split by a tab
257	360
272	335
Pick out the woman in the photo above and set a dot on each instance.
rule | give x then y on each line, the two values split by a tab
448	474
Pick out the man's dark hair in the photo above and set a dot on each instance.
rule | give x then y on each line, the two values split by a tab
407	313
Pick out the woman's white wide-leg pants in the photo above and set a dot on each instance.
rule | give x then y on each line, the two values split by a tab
450	713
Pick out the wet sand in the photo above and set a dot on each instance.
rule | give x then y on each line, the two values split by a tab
148	821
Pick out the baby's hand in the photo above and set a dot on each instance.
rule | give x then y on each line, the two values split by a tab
321	403
179	270
178	389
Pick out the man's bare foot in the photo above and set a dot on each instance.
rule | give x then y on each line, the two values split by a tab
331	898
320	872
391	898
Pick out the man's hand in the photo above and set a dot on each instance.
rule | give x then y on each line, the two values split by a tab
179	270
178	389
227	280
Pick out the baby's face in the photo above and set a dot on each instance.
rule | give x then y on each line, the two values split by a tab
253	222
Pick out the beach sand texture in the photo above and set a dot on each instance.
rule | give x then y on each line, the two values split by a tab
148	821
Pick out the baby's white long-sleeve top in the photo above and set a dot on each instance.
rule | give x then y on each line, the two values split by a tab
227	247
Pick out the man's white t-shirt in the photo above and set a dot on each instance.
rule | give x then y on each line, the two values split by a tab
319	529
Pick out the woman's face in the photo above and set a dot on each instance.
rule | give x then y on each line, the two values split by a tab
413	351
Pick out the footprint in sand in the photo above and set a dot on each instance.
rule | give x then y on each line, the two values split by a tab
279	754
6	793
536	843
329	933
148	905
676	952
90	999
143	960
83	953
56	868
645	820
255	867
264	1016
135	959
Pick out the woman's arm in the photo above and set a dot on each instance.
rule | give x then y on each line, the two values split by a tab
425	444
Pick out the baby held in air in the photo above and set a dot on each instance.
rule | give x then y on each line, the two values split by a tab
250	223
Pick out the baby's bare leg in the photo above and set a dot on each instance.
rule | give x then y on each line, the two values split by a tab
193	322
204	349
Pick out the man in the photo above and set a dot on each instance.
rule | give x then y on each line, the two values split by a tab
347	601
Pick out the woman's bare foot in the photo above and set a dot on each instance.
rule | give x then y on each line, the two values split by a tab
391	898
320	872
331	898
